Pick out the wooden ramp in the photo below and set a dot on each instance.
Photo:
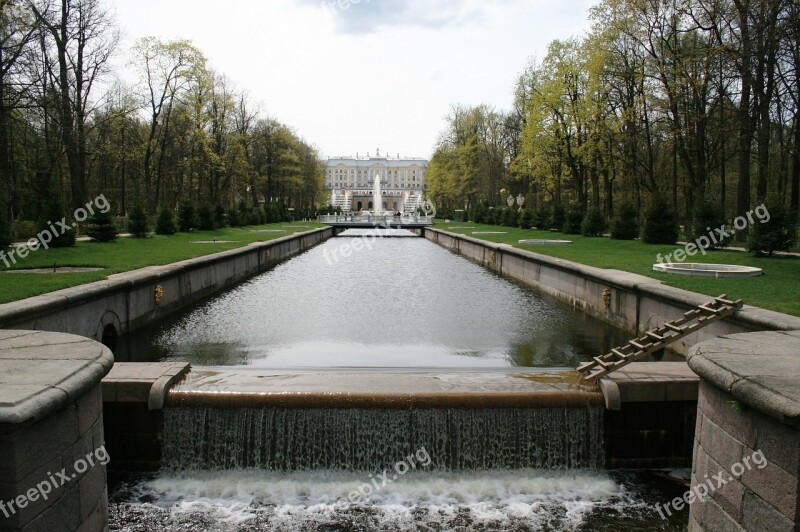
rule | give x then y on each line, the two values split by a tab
659	337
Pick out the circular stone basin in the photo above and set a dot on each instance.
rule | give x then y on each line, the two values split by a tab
214	242
696	269
489	232
267	230
61	269
462	227
543	242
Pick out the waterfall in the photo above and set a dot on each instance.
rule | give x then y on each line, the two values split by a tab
457	439
377	196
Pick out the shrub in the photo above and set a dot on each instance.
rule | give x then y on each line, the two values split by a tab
54	213
572	222
138	224
101	228
187	216
660	224
625	225
543	219
707	216
775	235
510	217
165	223
594	223
559	217
235	218
220	216
206	220
5	234
526	219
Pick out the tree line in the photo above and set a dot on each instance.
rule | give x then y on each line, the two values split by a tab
692	104
181	132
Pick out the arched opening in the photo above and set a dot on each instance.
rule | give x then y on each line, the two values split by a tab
359	206
369	206
394	206
109	337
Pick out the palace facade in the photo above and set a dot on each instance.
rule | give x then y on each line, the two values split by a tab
354	177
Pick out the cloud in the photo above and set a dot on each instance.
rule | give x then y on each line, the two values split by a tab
369	16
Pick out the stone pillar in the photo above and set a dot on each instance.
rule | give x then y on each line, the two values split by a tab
747	439
52	454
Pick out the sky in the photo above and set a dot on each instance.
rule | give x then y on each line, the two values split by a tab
352	76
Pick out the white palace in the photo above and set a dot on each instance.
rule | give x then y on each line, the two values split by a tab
350	180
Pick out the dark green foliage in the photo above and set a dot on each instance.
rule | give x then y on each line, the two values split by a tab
235	218
707	216
510	217
594	223
253	217
660	224
220	216
55	213
206	218
165	223
559	216
543	218
5	234
775	235
572	222
625	225
101	228
187	216
138	224
526	219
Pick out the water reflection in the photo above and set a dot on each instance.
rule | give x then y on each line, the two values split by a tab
403	303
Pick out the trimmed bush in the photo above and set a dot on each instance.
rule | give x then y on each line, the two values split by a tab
543	219
187	217
220	216
559	217
165	223
5	234
660	224
625	225
206	218
526	219
775	235
138	224
594	223
707	217
510	217
101	228
572	222
55	213
235	218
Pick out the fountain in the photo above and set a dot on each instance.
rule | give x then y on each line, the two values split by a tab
377	197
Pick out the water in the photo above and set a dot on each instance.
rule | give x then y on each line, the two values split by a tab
395	302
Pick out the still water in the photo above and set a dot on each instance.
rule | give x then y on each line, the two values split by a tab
401	302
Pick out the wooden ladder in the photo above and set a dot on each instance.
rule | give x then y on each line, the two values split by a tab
659	337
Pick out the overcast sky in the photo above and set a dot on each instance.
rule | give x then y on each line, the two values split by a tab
355	76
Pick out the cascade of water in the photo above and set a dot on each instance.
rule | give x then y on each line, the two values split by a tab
372	439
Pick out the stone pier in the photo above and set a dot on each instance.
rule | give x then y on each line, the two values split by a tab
747	439
52	454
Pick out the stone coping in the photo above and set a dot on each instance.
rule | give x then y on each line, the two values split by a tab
374	388
41	372
761	370
69	297
644	382
750	316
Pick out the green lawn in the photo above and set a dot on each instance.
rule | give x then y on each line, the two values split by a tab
778	289
126	254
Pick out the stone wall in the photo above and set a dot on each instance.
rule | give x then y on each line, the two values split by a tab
127	301
635	302
747	438
53	464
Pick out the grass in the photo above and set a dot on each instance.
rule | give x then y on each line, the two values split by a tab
777	289
125	254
